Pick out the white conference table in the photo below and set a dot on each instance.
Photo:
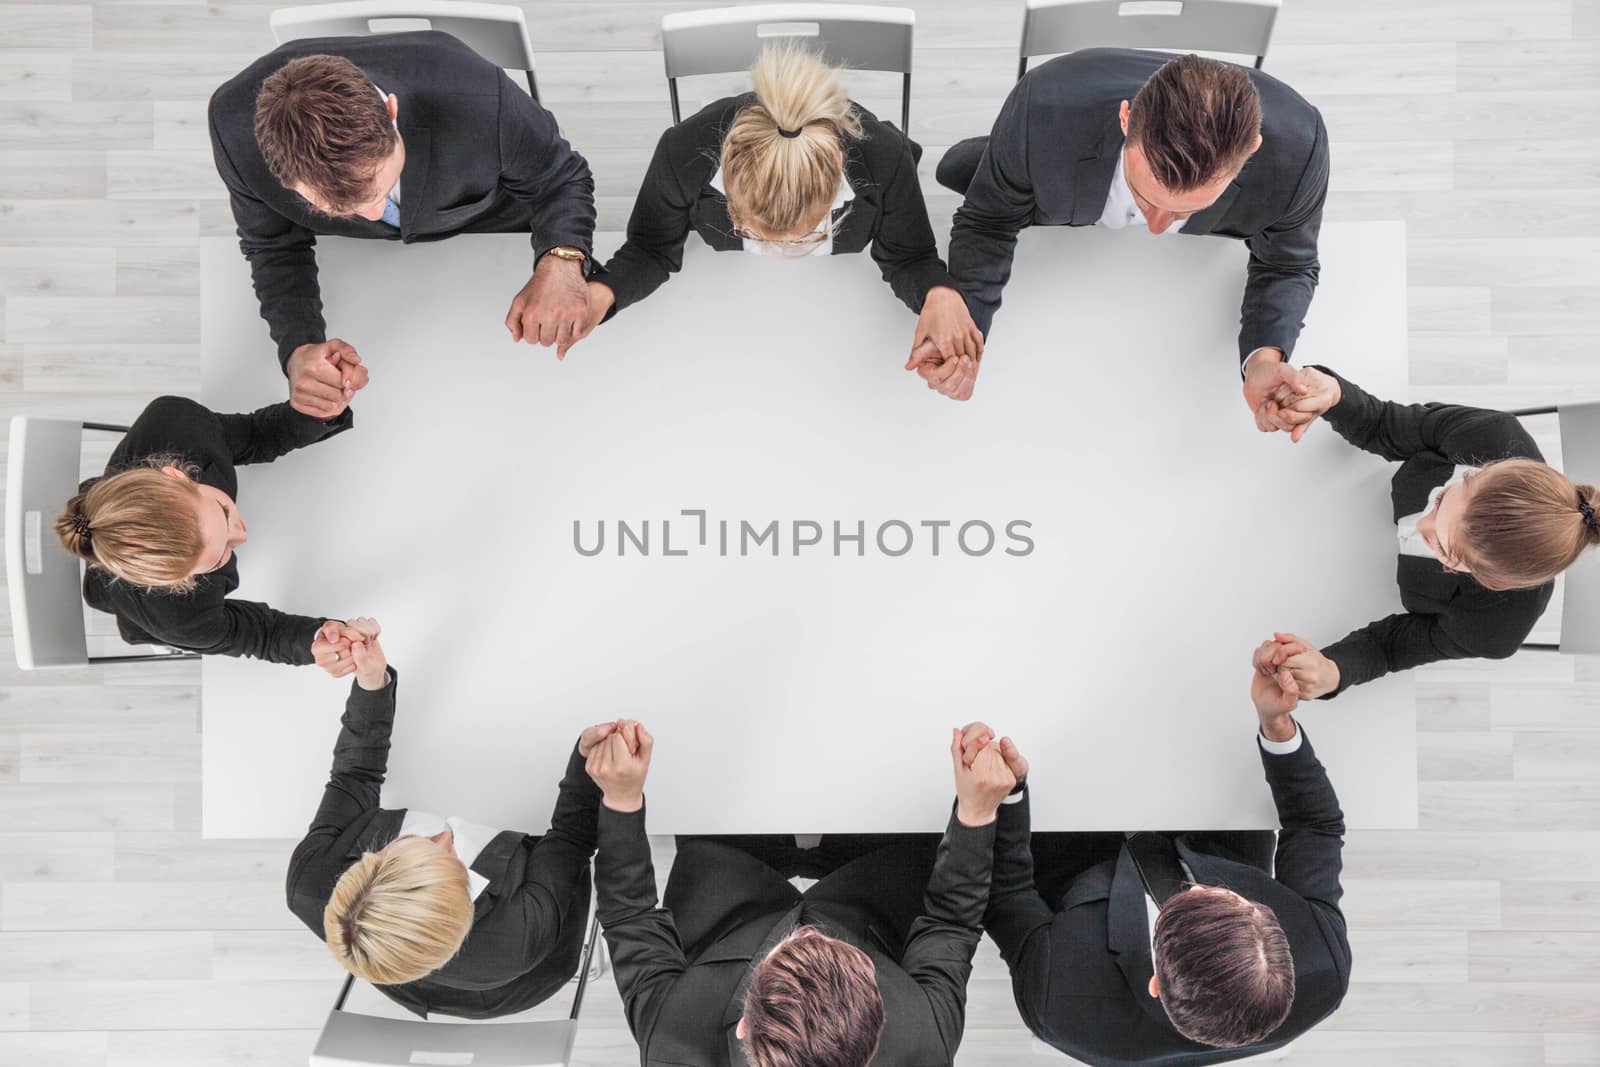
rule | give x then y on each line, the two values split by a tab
814	692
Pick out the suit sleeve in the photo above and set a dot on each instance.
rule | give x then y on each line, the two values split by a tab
999	203
282	256
1019	918
657	229
538	166
641	935
1464	435
218	626
1283	269
941	943
263	435
360	762
1405	640
556	892
904	247
1311	843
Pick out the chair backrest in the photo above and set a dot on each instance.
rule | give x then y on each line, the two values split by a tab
1580	602
726	39
1244	27
497	32
43	579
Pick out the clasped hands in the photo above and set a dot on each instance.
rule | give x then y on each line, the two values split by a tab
351	647
1285	397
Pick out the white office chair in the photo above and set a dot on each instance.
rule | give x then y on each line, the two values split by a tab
497	32
727	39
43	579
1050	27
351	1040
1580	603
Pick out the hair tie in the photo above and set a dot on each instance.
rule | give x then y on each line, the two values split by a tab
1586	509
80	524
791	134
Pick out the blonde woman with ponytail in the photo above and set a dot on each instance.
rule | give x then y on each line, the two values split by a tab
792	170
158	531
443	915
1484	527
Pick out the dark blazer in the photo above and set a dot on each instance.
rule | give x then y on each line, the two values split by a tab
1081	965
676	196
481	157
1053	154
205	619
1447	616
528	924
684	997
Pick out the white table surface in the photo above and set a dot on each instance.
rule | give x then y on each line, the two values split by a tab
815	693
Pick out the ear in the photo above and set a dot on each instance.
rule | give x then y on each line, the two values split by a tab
1155	988
739	1030
392	103
174	472
1253	147
1122	115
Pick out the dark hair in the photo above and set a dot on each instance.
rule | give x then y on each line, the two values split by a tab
813	1002
1195	120
1523	524
321	123
1223	967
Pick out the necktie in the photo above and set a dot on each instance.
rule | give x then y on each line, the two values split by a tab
391	213
1156	858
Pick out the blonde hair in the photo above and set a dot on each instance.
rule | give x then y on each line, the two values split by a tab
399	914
139	524
780	180
1523	524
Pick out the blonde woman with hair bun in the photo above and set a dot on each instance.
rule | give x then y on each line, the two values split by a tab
158	531
1483	524
791	170
443	915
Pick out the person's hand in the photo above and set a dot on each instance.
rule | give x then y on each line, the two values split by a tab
976	735
981	787
600	300
553	308
372	666
593	736
1275	695
947	323
619	765
330	649
323	377
1291	409
954	377
1314	675
1266	377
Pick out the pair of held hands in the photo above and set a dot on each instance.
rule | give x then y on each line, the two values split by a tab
351	647
617	757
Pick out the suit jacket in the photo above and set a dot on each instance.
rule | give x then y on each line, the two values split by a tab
206	619
528	924
1052	157
684	1011
481	156
1081	966
1447	616
676	196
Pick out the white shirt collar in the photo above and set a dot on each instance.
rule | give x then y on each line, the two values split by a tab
1122	210
843	196
394	194
1412	543
470	839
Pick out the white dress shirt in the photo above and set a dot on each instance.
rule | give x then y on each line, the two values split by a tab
1121	209
470	839
823	247
1411	542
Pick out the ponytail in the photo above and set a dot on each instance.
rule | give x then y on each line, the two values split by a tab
1525	523
140	525
784	154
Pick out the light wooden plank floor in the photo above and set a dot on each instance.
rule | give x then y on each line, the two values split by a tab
125	940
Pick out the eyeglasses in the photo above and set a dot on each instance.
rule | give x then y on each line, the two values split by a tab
796	246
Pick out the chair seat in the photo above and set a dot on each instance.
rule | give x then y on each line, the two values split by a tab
352	1040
